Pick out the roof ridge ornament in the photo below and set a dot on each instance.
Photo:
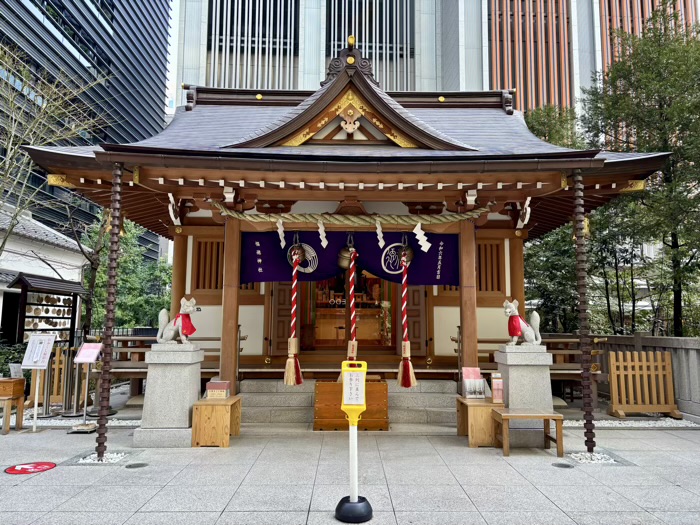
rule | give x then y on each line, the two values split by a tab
350	60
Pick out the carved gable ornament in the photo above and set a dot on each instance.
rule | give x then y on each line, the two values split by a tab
350	108
350	119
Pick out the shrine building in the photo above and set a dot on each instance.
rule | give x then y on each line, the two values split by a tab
240	177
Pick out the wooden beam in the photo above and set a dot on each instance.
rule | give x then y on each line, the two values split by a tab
467	293
228	365
179	273
517	272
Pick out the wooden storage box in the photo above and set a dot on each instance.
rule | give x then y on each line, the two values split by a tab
12	388
328	416
215	420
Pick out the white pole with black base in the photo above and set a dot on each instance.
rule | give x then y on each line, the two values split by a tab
353	508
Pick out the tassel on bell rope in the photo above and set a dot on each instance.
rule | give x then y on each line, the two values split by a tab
406	377
292	370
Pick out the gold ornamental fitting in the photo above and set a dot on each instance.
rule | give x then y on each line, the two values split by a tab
441	99
258	96
351	60
518	233
178	230
268	360
351	41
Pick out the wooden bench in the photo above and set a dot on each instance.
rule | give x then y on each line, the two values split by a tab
503	416
474	421
214	421
11	393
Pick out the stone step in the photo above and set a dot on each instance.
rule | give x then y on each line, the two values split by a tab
274	386
271	401
423	415
434	386
277	399
420	400
277	415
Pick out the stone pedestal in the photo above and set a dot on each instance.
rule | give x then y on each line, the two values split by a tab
526	385
172	387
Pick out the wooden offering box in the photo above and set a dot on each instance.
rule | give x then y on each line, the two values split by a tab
13	388
328	416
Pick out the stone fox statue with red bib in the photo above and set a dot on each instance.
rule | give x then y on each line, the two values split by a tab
517	326
181	326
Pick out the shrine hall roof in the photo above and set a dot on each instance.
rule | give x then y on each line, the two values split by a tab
223	138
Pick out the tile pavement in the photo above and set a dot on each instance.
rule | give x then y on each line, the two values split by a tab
297	478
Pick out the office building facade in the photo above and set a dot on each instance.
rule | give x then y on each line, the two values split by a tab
545	49
123	41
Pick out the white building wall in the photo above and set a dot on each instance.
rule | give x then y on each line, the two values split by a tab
491	324
20	255
192	45
312	43
426	45
471	55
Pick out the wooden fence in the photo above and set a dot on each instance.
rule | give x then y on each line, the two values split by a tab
685	358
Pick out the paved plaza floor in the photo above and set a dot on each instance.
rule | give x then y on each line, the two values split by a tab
295	478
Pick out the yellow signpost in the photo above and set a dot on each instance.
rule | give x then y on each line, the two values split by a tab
353	508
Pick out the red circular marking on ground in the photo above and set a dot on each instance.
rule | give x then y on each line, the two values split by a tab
30	468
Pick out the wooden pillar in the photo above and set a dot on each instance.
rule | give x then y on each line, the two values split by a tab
467	293
583	320
517	272
105	382
228	365
179	273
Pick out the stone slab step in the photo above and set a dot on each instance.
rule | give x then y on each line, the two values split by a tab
277	415
277	399
423	415
435	386
420	400
275	385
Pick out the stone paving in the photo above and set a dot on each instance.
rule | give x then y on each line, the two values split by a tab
298	477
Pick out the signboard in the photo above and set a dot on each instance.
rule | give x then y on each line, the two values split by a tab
38	351
354	388
88	353
353	404
30	468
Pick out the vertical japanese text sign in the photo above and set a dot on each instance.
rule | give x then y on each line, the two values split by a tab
354	403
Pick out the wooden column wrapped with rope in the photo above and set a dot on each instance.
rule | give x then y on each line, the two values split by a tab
292	369
583	324
406	376
105	382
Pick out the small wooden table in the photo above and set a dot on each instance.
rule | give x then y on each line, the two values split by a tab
474	421
503	416
11	392
214	421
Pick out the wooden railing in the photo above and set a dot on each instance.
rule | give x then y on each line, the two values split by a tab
685	357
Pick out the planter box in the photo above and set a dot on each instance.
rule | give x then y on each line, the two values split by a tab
327	413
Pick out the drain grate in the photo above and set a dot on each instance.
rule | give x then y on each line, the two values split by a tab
558	465
136	465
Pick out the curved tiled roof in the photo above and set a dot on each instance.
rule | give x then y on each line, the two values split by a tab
32	229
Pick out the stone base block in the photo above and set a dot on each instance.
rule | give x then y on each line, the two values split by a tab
163	438
525	347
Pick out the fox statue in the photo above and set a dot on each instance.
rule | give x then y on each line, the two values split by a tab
181	326
517	326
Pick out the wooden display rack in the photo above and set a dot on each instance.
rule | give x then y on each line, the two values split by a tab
327	413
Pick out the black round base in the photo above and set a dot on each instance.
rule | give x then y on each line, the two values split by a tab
357	512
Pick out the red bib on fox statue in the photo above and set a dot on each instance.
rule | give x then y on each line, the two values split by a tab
514	327
187	326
